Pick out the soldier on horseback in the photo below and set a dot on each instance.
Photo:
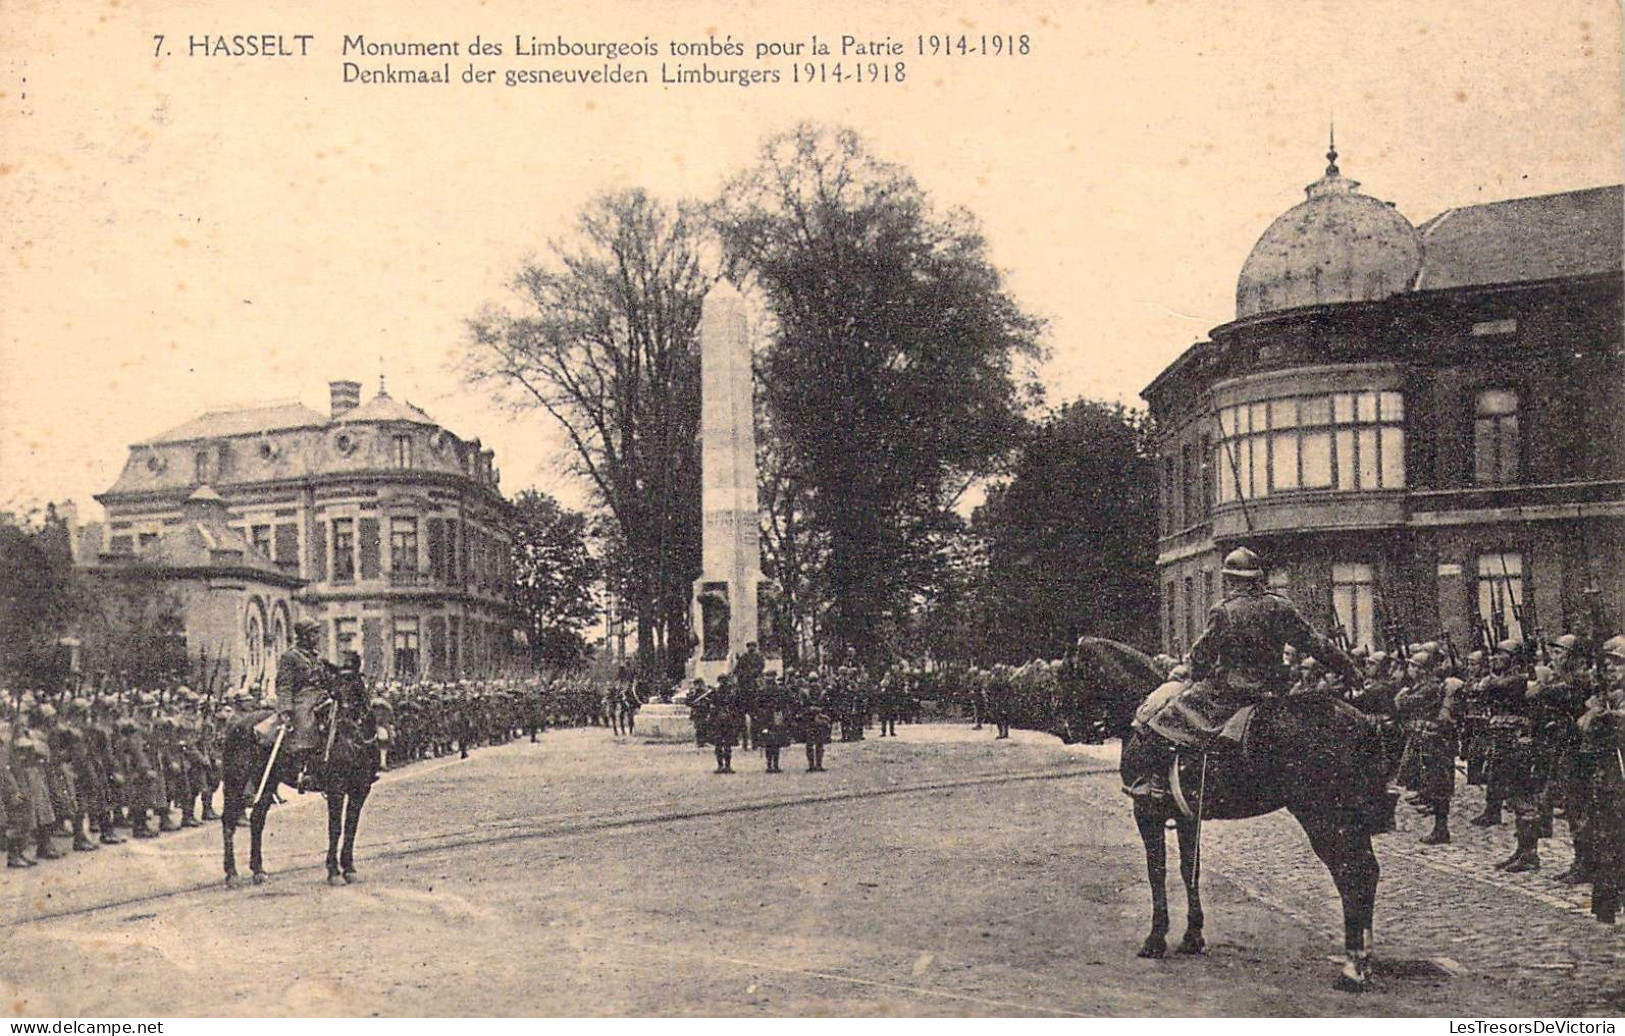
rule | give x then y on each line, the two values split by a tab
301	685
1236	662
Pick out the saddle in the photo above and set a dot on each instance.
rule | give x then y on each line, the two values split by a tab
1192	715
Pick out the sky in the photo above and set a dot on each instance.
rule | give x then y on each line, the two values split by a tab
186	233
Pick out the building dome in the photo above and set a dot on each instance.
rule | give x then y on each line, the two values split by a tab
1338	246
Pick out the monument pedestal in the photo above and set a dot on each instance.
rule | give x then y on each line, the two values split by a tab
658	721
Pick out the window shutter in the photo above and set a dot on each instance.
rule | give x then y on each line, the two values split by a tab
318	552
372	647
437	547
287	543
369	548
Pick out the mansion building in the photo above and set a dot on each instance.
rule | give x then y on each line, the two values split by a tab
372	519
1420	429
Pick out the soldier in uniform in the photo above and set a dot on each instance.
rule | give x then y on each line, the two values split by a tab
1559	696
725	723
814	720
300	686
1516	776
1602	738
1237	660
775	729
1430	708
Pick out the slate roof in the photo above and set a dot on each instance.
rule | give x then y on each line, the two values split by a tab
217	424
1571	234
383	407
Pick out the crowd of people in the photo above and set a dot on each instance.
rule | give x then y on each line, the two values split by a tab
87	769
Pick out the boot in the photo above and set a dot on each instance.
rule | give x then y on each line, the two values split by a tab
208	808
1527	858
140	828
1579	873
1491	817
812	760
719	761
166	823
43	849
81	838
109	835
1440	835
15	858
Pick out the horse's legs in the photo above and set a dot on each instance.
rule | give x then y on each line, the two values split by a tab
1156	869
256	833
335	825
1344	847
1191	875
354	800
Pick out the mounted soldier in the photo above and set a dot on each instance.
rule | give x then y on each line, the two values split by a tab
1236	662
301	685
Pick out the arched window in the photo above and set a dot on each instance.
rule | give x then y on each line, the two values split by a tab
254	643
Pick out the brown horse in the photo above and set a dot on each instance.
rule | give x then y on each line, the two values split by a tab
1309	754
346	777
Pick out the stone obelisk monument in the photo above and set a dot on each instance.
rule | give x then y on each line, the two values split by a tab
727	594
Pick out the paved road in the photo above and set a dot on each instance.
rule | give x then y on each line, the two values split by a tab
941	873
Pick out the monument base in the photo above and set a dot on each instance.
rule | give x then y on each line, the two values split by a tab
658	721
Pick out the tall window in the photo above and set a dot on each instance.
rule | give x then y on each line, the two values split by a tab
200	467
1205	459
403	544
262	539
1173	633
347	634
403	451
1354	602
406	646
1190	610
1167	495
1189	483
1495	437
1346	441
1500	587
343	550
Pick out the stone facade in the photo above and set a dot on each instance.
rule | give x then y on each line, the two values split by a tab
393	527
1416	460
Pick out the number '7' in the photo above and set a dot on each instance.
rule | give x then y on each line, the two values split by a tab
157	46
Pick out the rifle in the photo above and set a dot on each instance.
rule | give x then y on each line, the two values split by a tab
1450	653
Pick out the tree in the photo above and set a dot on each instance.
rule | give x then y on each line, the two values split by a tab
1072	535
891	377
40	597
603	338
554	577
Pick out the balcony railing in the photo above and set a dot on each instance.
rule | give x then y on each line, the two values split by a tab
408	578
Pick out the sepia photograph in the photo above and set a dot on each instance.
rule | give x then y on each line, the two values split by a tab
686	509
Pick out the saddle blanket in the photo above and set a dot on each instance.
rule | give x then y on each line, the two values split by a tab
1190	715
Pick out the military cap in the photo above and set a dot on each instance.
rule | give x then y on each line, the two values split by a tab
1614	646
1420	658
1379	657
1568	642
1509	646
1453	684
1475	656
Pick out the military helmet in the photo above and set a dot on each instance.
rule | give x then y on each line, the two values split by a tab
1475	656
306	626
1421	658
1509	646
1568	642
1614	647
1243	564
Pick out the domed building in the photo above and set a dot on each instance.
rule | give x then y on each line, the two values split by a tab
1419	427
385	527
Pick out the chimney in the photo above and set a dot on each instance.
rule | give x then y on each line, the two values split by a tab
346	395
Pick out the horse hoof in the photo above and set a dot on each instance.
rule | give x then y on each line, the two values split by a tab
335	880
352	878
1192	943
1153	947
233	881
1356	977
260	877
